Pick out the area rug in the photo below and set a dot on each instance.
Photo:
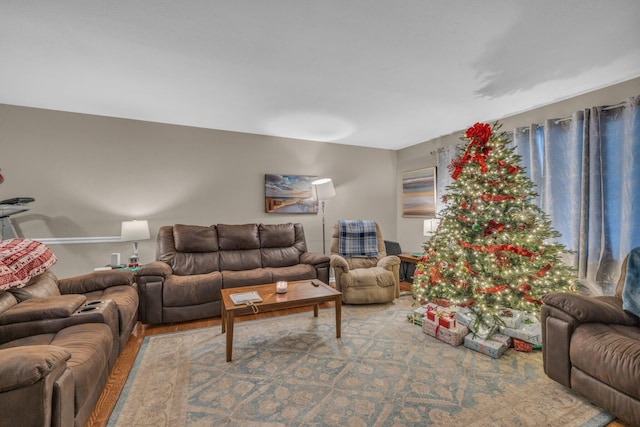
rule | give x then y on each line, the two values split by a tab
290	370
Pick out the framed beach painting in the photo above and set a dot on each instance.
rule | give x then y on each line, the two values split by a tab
290	194
419	193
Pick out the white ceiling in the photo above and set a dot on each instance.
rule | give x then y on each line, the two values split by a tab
376	73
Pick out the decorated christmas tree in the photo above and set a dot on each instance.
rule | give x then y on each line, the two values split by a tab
494	248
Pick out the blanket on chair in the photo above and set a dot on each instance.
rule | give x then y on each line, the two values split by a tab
631	289
357	238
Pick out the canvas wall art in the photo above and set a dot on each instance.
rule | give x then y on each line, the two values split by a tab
419	193
291	194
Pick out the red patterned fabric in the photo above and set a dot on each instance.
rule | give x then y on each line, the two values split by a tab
8	280
20	260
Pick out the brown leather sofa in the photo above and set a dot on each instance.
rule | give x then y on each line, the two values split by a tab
194	262
59	340
593	347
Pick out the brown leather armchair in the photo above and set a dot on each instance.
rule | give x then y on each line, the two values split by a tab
591	345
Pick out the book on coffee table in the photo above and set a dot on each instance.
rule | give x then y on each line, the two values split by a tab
245	297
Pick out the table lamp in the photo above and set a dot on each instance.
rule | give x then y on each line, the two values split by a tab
134	231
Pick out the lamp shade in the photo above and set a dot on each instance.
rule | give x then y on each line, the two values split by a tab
324	188
430	226
134	231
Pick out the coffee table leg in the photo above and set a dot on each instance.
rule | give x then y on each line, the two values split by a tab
315	310
230	320
223	318
338	316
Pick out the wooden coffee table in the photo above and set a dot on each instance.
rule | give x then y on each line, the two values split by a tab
299	294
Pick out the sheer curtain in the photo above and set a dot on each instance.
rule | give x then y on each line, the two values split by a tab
587	174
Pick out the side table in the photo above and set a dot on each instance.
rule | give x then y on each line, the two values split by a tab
407	266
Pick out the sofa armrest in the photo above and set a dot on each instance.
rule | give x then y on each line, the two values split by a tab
95	281
388	262
314	258
36	387
37	309
562	313
20	368
590	309
158	269
338	262
52	314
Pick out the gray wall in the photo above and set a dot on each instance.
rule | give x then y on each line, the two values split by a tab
419	156
89	173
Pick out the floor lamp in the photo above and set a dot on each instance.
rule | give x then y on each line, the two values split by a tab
324	191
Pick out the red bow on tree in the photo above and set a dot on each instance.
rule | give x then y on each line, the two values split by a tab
479	135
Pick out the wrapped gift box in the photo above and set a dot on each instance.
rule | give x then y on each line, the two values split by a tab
522	345
444	318
489	347
467	318
511	318
504	339
529	330
418	314
453	336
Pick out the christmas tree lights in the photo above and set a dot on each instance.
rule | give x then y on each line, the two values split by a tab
494	248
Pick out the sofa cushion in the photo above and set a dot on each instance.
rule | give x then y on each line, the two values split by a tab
195	238
41	286
613	356
294	272
234	279
238	237
186	263
90	345
277	235
25	258
277	243
240	260
180	291
126	299
280	257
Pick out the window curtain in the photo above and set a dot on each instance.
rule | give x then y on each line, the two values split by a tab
586	168
587	171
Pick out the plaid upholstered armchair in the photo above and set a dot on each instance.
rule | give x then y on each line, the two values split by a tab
364	273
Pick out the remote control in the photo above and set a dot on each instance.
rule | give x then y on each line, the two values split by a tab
314	284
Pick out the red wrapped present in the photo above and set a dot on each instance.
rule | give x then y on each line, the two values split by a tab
440	301
523	346
448	321
443	317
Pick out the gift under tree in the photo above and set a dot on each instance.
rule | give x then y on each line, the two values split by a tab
494	248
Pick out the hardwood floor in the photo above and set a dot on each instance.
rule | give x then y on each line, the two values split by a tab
123	365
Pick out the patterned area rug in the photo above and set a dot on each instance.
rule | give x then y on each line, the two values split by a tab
291	370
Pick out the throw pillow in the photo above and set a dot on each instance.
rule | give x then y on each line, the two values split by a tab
631	290
24	258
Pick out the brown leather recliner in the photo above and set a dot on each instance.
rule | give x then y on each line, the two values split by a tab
59	339
194	262
593	347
